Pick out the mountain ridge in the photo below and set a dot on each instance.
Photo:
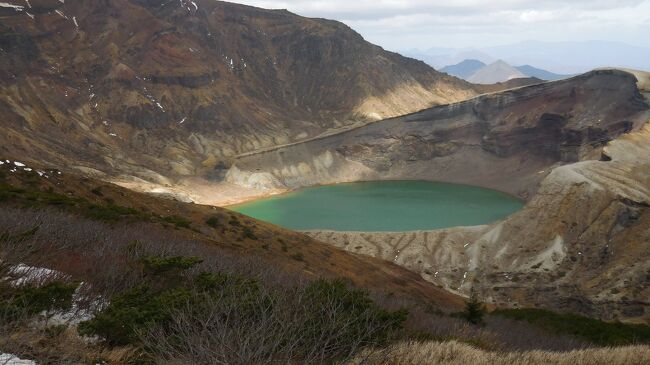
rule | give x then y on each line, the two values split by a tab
464	69
497	71
191	84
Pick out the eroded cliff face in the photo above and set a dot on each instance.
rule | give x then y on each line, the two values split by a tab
581	244
163	90
507	141
578	150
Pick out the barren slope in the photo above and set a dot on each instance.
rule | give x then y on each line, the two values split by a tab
166	89
506	141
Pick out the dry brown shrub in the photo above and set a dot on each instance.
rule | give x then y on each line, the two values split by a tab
455	353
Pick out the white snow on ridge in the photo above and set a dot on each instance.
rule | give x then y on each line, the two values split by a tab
186	4
19	164
61	14
9	359
16	7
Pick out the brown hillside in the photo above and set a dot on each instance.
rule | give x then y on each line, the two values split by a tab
165	89
296	254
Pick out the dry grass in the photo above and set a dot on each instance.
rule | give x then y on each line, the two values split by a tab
65	347
455	353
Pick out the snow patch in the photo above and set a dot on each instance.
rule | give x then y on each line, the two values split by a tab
22	274
9	359
76	314
188	4
15	7
61	14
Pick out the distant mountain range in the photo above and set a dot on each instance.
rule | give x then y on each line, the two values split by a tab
498	71
465	69
478	72
531	71
557	57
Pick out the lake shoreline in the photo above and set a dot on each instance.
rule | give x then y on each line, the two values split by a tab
263	195
383	206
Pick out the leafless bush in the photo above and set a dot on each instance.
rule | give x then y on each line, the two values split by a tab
103	253
497	333
279	327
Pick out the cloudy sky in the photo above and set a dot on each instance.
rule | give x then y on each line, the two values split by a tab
406	24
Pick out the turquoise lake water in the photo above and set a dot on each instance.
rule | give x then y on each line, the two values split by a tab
383	206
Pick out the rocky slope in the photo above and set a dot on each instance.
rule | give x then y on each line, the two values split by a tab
506	141
161	90
576	149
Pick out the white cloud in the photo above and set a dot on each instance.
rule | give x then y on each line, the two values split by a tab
401	24
368	9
